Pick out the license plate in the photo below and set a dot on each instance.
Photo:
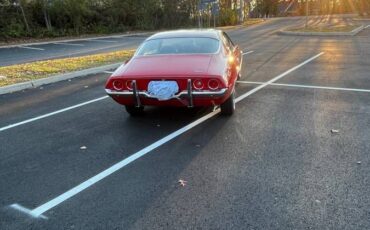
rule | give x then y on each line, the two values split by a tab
163	90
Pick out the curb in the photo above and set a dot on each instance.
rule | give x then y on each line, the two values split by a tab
352	33
56	78
73	40
361	19
227	28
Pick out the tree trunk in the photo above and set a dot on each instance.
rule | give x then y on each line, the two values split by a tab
24	17
334	9
46	15
367	7
361	7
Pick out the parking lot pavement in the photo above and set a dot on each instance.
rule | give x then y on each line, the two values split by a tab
275	164
29	53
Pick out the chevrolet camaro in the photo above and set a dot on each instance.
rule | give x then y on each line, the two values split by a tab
191	68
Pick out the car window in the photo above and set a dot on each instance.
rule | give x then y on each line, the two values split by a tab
189	45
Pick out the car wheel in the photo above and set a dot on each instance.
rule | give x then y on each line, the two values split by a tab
228	107
135	111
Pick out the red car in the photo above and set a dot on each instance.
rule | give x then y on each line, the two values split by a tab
179	68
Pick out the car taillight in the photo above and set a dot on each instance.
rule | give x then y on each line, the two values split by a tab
213	84
118	84
129	84
198	84
231	59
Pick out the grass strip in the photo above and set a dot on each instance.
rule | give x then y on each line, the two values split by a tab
246	23
43	69
252	21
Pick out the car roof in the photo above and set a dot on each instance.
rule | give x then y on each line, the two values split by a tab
206	33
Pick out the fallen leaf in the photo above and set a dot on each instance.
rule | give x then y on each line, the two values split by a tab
182	182
334	131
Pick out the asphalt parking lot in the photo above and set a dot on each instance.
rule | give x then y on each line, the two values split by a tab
63	49
295	155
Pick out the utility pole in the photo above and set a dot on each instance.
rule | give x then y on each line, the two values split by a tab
306	14
214	17
199	15
213	11
241	11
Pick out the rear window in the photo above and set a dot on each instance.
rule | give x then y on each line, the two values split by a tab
179	46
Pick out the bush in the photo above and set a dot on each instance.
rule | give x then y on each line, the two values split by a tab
228	17
15	29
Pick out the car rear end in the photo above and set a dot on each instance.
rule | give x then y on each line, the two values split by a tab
191	91
185	68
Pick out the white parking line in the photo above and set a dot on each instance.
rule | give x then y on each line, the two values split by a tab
278	77
307	86
91	50
110	72
37	212
67	44
26	210
249	52
367	26
107	41
31	48
51	114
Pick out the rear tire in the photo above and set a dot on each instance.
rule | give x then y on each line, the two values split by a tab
134	111
228	107
239	77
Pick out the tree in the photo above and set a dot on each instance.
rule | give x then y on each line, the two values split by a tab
20	3
266	8
363	7
45	11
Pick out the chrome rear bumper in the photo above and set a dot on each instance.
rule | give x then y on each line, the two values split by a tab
188	94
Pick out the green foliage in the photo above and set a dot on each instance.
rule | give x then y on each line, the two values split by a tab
266	8
15	29
228	17
51	18
48	18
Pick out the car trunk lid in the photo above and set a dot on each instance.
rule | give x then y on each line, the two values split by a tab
168	65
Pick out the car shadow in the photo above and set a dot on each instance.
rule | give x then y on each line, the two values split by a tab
153	180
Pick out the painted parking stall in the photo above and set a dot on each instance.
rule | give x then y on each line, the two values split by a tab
38	212
276	154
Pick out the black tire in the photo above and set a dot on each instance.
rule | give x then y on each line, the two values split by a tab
228	107
134	111
239	77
